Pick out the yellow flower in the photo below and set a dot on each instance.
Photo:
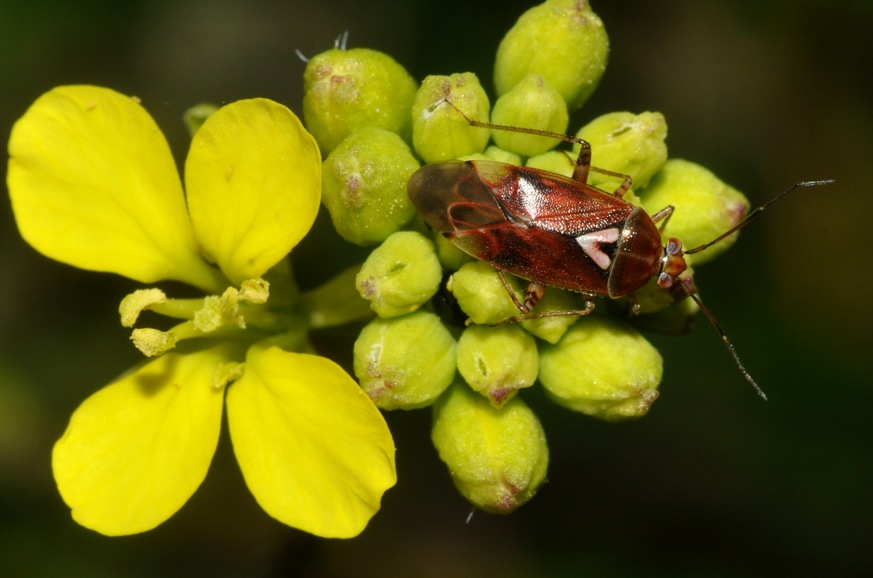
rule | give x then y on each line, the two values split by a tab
93	184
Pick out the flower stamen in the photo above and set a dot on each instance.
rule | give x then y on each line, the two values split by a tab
137	302
153	342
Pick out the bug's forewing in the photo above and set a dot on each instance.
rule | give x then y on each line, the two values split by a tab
451	197
551	202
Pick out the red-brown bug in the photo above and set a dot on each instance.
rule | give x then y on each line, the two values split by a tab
558	231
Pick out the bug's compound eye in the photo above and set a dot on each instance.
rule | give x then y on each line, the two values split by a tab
674	247
665	280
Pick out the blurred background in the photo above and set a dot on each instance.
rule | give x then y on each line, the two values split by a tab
713	482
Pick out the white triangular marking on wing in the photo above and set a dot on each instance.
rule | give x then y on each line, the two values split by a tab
590	243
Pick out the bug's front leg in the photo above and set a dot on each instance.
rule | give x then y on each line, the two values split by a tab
663	215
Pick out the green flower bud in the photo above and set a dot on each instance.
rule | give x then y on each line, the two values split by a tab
561	40
497	361
706	207
603	368
551	329
345	90
400	275
531	103
449	255
481	295
558	162
493	153
474	157
364	185
439	132
626	143
195	116
497	457
498	154
405	362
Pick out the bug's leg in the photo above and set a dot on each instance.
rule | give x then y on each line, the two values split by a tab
589	307
626	184
663	215
624	187
583	162
532	295
582	166
634	304
522	307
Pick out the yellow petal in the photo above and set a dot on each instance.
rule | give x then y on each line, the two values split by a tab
93	184
253	177
136	450
314	450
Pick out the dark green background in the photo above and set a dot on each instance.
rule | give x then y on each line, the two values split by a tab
714	482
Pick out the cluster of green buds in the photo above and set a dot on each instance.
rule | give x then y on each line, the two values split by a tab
376	126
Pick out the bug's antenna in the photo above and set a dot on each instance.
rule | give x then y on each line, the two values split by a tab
689	288
757	212
717	326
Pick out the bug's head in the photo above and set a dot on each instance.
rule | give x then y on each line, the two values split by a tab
672	266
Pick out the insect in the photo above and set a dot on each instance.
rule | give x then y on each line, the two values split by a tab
561	232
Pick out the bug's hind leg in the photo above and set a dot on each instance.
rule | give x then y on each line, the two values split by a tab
532	295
